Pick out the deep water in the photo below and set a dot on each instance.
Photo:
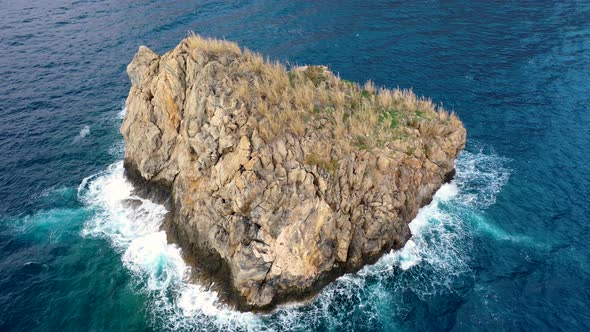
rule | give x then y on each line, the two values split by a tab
505	246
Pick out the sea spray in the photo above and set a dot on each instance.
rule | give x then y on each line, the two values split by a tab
436	255
132	224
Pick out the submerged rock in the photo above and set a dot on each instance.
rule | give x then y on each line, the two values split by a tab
280	181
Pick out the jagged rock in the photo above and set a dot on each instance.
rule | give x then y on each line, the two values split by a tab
280	181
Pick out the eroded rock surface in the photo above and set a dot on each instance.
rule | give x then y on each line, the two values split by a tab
280	181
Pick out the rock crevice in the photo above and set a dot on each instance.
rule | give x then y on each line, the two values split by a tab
280	181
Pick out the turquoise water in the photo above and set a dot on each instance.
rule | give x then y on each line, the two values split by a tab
505	246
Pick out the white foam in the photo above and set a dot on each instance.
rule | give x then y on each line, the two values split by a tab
441	232
152	255
408	256
195	298
122	112
85	131
110	193
481	176
436	255
132	225
447	191
413	251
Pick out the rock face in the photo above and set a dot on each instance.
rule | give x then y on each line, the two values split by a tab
280	181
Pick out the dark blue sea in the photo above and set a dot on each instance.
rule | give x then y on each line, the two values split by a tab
504	247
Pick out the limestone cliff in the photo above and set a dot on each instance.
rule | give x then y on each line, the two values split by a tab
280	181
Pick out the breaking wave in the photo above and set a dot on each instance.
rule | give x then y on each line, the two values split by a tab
430	264
132	225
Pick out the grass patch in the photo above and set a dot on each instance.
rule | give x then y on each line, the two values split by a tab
284	101
315	74
361	143
329	165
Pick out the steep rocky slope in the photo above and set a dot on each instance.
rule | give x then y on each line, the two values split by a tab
280	181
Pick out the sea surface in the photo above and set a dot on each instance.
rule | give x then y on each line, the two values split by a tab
504	247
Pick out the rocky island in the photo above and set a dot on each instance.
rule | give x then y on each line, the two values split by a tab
279	181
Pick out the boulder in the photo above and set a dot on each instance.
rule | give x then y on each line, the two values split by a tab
280	181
